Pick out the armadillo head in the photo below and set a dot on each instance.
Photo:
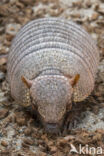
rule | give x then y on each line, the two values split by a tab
52	95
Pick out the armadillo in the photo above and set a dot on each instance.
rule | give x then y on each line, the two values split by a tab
52	62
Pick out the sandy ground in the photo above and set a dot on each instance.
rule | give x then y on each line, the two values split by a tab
20	134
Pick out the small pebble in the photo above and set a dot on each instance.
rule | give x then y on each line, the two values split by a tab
94	16
25	145
4	143
20	121
3	113
101	9
27	131
12	29
39	153
53	148
28	141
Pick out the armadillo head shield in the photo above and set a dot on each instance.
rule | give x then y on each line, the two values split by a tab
52	94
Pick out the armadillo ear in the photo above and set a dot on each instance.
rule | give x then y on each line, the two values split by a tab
74	80
27	82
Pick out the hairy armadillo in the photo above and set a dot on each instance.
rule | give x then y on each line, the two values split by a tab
51	63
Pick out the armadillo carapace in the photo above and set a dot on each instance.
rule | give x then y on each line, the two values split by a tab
52	61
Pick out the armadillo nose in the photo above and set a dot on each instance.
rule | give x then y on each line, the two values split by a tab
52	128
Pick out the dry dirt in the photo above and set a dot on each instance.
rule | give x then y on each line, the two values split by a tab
20	134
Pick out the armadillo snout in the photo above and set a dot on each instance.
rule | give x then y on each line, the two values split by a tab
52	128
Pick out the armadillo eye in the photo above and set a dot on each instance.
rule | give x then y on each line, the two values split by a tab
69	106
